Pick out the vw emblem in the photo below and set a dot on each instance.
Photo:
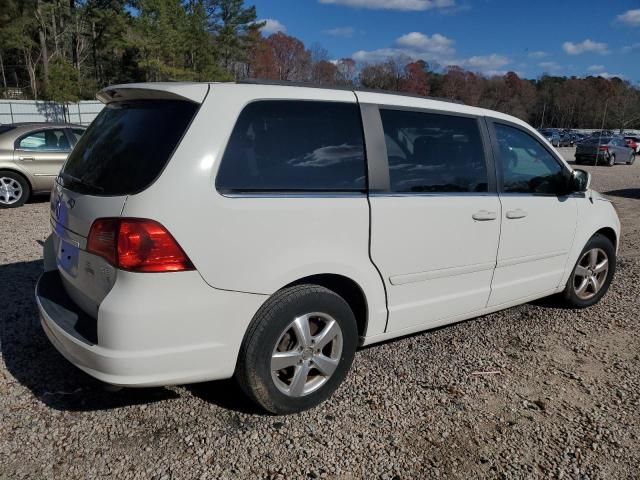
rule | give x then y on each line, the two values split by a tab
71	203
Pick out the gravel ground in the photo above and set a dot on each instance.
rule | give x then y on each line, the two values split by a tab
564	402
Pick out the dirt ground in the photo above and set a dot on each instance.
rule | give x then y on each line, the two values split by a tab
535	391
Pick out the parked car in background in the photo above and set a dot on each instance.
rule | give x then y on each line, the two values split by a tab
31	155
552	136
604	150
633	142
567	140
267	231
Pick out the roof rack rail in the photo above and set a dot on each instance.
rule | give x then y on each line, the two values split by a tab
287	83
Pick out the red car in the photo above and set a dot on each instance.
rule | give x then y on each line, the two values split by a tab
633	143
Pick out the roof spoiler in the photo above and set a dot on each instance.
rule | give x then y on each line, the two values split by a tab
193	92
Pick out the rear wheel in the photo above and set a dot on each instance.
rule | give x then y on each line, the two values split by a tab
592	274
14	189
632	158
298	349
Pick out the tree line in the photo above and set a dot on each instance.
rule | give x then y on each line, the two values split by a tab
66	50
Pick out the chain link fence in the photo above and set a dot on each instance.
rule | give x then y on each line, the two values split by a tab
81	113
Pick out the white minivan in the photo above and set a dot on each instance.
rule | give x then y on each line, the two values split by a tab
264	232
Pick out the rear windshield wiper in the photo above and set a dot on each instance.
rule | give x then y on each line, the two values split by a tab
81	182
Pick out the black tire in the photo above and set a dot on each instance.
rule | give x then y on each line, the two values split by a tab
612	160
571	298
632	159
25	190
253	370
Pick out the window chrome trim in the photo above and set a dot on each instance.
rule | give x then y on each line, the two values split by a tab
294	195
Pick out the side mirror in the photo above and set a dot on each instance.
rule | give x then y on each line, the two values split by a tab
580	181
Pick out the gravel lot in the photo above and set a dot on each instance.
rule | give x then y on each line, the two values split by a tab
565	402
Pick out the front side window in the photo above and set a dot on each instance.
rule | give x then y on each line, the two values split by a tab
527	167
49	140
433	152
295	146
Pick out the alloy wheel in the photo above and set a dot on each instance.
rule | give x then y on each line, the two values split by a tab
10	190
306	354
591	273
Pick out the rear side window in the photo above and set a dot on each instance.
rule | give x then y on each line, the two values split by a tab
294	146
433	152
127	146
49	140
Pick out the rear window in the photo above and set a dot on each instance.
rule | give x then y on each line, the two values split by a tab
294	146
127	146
596	140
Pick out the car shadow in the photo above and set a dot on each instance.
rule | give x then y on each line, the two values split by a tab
34	363
633	193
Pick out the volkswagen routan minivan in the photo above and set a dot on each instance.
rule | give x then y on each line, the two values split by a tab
264	232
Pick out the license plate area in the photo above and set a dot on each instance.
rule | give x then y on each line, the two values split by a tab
67	253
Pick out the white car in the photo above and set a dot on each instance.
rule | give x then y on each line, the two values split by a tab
264	232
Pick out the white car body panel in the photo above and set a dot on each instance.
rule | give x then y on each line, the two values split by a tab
533	251
436	259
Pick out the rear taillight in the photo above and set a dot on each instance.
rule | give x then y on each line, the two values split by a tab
603	148
137	245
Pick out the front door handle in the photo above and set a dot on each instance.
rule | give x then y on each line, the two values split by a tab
484	215
26	159
517	213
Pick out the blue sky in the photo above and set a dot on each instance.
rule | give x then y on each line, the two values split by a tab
558	37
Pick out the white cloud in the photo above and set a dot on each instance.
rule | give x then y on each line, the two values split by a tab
538	54
407	5
630	18
436	43
609	75
595	68
435	48
344	32
486	62
585	46
272	26
550	66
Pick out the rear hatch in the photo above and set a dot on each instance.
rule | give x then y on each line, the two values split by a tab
122	153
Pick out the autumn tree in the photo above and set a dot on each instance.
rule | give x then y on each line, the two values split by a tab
292	60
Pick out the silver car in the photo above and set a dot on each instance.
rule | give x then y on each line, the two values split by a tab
31	155
604	150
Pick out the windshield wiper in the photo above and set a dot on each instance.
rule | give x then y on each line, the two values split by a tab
82	182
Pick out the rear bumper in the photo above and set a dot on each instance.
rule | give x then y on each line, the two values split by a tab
145	336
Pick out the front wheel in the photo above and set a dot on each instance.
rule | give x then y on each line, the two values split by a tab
298	349
612	160
592	274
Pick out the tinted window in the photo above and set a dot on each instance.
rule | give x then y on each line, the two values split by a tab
433	153
527	167
49	140
294	146
126	147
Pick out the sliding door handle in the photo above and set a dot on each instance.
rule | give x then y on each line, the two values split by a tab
26	159
484	215
517	213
